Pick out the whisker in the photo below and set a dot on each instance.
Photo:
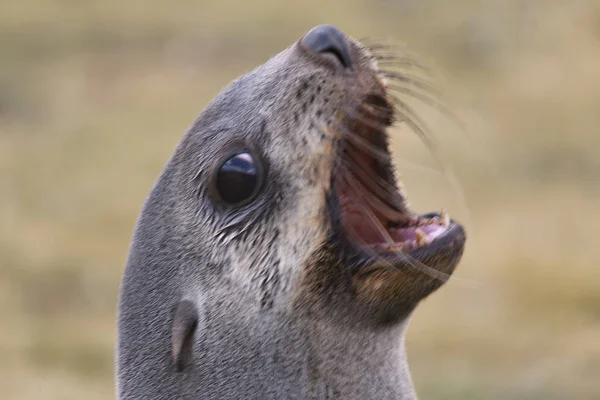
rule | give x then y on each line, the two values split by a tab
369	119
414	81
409	116
401	62
388	211
350	183
392	212
431	272
417	125
402	51
433	103
383	188
387	265
418	167
371	115
363	143
413	120
382	46
359	196
373	150
401	55
435	152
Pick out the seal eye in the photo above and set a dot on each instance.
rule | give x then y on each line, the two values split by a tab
237	179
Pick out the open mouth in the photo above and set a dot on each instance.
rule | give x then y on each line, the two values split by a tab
373	209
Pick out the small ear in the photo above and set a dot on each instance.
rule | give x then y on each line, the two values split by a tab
185	322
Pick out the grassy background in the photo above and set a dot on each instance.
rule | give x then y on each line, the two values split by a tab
94	96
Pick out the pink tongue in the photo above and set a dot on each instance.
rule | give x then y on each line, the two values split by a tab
432	231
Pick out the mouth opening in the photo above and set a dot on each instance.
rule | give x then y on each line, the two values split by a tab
374	212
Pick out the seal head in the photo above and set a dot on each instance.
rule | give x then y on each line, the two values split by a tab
276	256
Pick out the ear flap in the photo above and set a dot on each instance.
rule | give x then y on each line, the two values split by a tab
185	322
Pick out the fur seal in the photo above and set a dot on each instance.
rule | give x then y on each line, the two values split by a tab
276	256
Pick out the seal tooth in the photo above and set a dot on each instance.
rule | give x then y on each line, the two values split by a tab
444	218
394	246
410	245
433	220
422	239
400	246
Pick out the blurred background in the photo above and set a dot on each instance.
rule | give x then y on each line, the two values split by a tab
94	96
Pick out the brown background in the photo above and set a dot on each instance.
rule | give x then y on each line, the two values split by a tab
94	96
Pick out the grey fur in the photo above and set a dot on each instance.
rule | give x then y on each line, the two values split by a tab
278	316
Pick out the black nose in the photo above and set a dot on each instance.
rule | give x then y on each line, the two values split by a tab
325	39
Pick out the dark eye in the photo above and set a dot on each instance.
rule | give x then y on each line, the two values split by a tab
237	179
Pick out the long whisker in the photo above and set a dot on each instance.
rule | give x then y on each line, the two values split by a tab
359	197
355	141
401	63
382	46
433	103
383	209
417	125
418	167
363	143
377	48
350	183
383	188
358	165
414	121
431	272
419	266
411	80
402	55
434	150
369	118
393	210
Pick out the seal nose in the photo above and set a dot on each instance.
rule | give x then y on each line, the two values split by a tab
327	39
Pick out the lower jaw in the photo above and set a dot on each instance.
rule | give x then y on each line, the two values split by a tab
412	233
448	244
419	232
453	237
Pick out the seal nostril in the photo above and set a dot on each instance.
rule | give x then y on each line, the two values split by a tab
338	54
327	39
